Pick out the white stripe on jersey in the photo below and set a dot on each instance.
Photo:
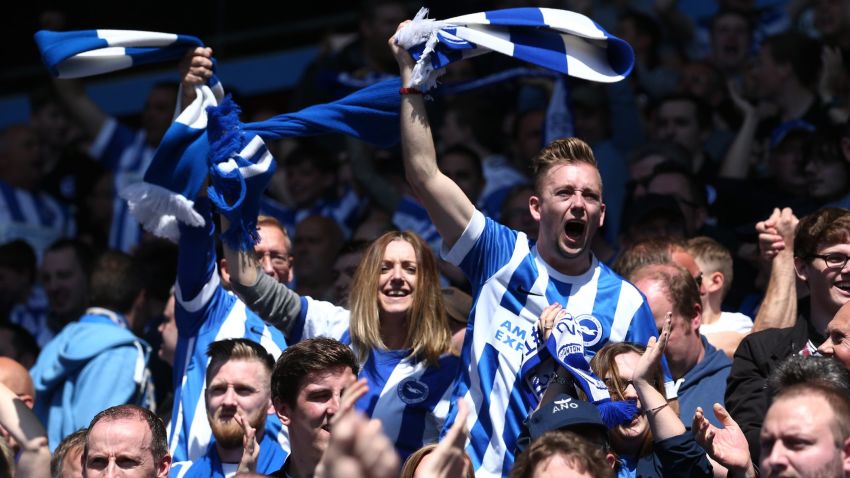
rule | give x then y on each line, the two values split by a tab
511	287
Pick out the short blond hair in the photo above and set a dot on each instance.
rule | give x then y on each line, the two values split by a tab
715	257
561	151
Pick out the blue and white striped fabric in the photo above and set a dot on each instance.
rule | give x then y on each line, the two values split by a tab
347	210
77	54
126	154
409	398
559	40
205	313
411	215
32	315
181	162
34	217
511	286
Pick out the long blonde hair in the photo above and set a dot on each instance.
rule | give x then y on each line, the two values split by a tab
428	333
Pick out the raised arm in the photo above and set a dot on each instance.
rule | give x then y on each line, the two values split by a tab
195	70
22	424
663	420
82	108
448	206
736	164
776	241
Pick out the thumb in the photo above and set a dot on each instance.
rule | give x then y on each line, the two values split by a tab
723	415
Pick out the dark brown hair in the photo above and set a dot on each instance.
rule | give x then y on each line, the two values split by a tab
159	441
581	454
308	356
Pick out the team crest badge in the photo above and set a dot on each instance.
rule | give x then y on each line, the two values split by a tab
412	391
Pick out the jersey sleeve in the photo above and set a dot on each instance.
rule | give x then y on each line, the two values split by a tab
484	247
197	278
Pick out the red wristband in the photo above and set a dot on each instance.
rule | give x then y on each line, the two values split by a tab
404	90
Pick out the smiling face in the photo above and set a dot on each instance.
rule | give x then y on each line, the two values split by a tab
238	386
569	208
829	287
837	343
397	281
631	435
316	403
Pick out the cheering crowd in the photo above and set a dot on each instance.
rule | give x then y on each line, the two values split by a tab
547	276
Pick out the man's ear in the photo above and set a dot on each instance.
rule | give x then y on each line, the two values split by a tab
696	320
270	410
714	282
611	459
601	214
846	458
800	269
163	467
222	266
283	412
534	207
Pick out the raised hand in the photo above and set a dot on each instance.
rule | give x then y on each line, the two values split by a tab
654	351
402	57
250	447
547	321
195	69
727	446
358	449
448	460
776	233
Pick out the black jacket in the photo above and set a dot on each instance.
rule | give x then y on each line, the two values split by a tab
746	388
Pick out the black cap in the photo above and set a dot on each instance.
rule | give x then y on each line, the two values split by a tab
562	413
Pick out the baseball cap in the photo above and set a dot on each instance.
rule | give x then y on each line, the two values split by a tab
563	412
783	130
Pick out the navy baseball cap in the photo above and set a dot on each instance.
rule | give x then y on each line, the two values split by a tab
783	130
562	413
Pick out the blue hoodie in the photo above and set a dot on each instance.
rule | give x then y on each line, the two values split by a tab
89	366
704	385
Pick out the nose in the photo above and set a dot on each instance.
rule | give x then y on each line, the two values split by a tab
826	348
630	393
333	405
266	264
776	459
229	397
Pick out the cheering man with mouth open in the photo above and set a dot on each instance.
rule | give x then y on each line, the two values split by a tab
514	278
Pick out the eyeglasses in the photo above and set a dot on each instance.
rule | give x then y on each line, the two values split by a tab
277	259
833	260
612	386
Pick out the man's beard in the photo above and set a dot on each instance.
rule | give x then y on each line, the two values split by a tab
228	433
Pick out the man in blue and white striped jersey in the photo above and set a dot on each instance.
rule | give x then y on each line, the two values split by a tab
27	212
514	278
123	151
238	390
206	312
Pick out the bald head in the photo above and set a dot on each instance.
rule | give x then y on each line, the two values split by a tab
14	376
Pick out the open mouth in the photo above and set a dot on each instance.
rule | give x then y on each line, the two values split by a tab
843	286
574	229
396	293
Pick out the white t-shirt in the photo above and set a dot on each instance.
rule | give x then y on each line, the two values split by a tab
729	322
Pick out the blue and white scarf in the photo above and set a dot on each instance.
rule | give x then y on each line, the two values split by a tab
558	40
184	157
565	346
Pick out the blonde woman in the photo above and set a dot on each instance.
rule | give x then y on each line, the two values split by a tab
397	327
